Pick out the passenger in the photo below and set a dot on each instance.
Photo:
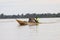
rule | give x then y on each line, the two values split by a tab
33	20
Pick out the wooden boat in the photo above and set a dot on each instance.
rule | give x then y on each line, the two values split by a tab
26	23
22	22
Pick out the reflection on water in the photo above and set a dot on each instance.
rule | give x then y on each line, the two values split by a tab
33	28
11	30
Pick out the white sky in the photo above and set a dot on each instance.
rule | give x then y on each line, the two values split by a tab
29	6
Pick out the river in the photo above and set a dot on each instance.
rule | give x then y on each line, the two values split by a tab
48	30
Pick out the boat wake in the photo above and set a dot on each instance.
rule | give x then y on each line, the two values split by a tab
50	22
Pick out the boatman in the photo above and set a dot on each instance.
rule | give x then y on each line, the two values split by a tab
36	20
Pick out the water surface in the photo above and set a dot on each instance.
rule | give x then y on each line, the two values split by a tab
48	30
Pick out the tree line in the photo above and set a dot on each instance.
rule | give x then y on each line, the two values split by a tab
33	15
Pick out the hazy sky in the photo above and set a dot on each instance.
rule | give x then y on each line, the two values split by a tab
29	6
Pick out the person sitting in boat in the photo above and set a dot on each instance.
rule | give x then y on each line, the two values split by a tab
33	20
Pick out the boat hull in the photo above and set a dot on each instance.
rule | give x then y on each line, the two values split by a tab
26	23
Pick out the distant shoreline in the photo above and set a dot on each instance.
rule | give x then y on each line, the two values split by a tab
34	15
24	18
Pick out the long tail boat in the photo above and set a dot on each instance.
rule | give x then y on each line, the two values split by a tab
26	23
